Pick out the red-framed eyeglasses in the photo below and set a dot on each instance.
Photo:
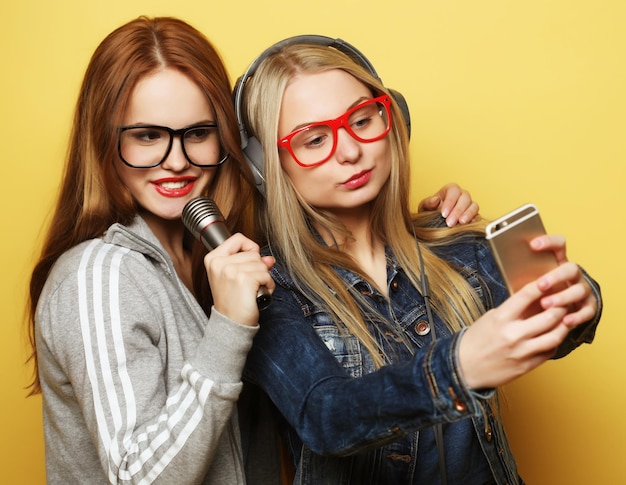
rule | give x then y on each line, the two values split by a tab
315	143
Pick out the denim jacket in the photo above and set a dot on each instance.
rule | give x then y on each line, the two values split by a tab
349	424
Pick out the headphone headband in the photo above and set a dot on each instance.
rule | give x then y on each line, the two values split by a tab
252	148
321	40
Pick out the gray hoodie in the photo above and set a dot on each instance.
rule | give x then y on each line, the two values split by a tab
139	386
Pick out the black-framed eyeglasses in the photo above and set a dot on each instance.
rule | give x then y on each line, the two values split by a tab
315	143
148	146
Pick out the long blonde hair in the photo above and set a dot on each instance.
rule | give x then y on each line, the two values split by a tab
289	218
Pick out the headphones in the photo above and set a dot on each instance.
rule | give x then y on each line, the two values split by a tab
252	149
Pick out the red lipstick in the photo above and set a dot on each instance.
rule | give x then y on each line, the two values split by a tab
174	186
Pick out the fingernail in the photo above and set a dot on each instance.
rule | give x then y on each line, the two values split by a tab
543	284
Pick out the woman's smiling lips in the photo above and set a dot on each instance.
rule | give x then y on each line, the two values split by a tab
174	186
357	180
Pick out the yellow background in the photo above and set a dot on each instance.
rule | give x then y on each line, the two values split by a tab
516	101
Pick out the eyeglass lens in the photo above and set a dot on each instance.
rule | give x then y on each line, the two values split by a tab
148	146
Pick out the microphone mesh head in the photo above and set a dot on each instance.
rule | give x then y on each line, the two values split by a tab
197	210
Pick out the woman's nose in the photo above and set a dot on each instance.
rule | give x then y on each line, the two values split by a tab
176	159
348	149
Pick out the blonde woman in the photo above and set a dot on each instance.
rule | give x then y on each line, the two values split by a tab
388	334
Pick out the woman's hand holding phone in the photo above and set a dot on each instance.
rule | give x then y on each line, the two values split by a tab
566	285
525	331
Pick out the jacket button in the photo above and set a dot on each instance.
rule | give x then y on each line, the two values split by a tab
460	406
394	285
422	328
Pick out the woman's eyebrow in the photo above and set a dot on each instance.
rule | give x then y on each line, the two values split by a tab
307	123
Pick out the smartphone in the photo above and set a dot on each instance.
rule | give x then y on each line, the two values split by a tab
509	238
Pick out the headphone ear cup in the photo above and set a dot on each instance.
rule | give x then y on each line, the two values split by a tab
404	108
253	151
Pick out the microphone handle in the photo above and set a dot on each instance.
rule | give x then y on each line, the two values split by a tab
263	298
203	219
216	236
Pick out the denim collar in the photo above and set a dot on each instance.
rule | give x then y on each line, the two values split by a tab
354	280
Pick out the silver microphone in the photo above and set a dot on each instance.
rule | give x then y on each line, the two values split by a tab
205	221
